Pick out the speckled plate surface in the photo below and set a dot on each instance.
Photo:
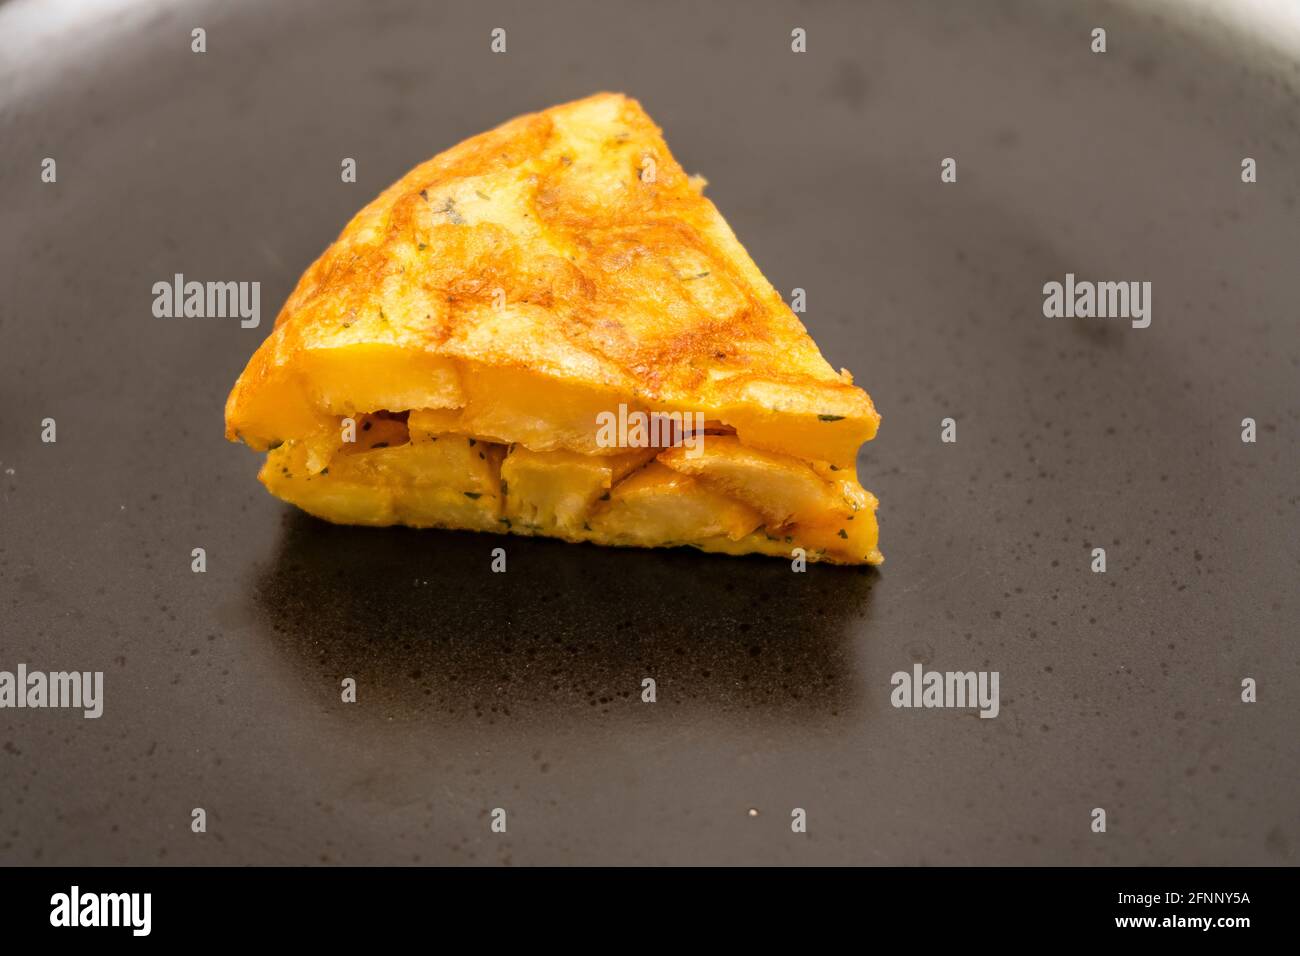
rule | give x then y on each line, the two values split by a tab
521	691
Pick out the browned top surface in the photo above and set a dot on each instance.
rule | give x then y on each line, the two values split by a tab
571	242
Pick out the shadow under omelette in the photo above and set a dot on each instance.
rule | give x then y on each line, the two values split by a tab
426	628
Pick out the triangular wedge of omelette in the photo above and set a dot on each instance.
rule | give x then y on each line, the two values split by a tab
548	330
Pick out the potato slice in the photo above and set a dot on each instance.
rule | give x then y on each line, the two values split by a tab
448	481
557	489
834	514
658	505
780	488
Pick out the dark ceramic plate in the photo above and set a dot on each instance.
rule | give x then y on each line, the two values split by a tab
1119	690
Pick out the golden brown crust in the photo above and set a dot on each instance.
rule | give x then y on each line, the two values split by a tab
570	242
